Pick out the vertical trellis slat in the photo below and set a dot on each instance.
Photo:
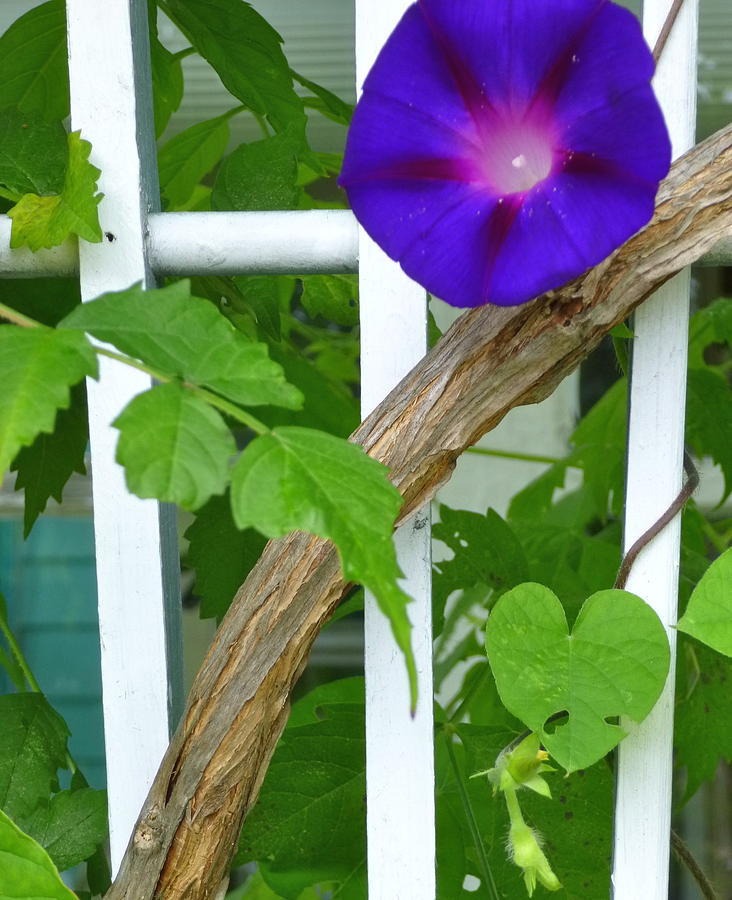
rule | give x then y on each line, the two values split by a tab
655	453
399	753
136	541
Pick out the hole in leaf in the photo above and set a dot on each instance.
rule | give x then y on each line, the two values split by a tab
555	720
471	883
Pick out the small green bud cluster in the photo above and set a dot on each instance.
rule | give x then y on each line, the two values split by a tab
521	767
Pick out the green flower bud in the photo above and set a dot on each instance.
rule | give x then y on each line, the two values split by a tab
525	851
520	767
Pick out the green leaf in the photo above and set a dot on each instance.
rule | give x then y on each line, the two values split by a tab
47	300
167	76
309	822
599	442
188	156
33	69
614	663
535	499
27	871
9	660
708	616
325	101
334	297
256	888
47	221
327	405
98	875
32	749
295	478
70	826
32	153
485	551
221	555
567	561
702	733
245	51
259	176
622	332
709	420
261	295
174	446
38	366
47	464
185	336
709	325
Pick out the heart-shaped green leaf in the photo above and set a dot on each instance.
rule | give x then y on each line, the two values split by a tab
614	663
708	616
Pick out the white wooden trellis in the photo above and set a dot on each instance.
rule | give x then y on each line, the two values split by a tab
137	559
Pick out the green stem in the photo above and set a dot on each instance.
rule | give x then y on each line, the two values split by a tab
262	122
231	409
133	364
521	457
212	399
514	808
477	683
18	656
186	51
17	318
717	540
28	675
490	884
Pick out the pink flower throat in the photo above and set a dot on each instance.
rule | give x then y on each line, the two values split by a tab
516	155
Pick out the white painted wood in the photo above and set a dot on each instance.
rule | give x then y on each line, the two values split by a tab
399	749
24	263
655	455
136	545
236	243
232	243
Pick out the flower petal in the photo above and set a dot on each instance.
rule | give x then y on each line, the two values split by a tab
630	134
564	228
611	59
453	259
384	138
508	46
503	147
412	70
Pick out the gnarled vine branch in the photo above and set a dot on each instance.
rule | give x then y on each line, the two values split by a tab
490	361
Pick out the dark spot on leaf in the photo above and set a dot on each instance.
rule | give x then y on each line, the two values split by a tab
706	708
562	799
319	713
568	815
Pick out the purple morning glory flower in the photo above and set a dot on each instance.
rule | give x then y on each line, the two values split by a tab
503	147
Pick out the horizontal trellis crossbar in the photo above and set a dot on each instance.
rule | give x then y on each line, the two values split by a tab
217	243
236	243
